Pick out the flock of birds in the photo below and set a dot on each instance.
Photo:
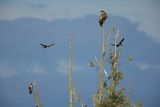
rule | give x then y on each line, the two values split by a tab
102	18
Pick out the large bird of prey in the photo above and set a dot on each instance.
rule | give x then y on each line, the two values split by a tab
102	17
30	88
119	44
46	46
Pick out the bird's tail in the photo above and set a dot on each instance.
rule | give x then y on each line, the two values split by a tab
30	92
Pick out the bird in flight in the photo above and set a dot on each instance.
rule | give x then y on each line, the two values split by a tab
46	46
30	88
119	44
102	17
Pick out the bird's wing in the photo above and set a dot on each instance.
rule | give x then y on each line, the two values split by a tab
51	45
100	17
112	44
42	45
121	41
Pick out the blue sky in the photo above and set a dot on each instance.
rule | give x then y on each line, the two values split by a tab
26	24
145	12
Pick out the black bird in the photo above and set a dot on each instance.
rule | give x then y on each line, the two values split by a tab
105	84
46	46
119	44
102	17
30	88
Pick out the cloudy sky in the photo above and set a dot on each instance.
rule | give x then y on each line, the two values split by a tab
144	12
24	24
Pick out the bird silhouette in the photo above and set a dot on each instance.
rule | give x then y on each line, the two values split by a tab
46	46
103	16
119	44
30	88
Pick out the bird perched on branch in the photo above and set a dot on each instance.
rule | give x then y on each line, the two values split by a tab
119	44
30	88
102	17
85	105
91	64
46	46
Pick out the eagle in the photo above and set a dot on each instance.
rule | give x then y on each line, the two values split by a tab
119	44
103	16
46	46
30	88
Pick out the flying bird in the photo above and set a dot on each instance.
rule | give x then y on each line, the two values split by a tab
119	44
102	17
30	88
46	46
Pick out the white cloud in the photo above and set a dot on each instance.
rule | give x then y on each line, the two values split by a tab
38	6
145	12
147	66
38	69
10	69
62	66
144	66
6	71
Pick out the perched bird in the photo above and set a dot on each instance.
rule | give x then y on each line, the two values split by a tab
85	105
119	44
91	64
105	84
30	88
102	17
46	46
111	56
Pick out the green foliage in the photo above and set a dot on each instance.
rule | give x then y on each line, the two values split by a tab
113	96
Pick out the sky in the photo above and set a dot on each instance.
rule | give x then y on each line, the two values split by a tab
144	12
26	24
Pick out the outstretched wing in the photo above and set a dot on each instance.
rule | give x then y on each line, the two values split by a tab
43	45
51	45
121	41
113	44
